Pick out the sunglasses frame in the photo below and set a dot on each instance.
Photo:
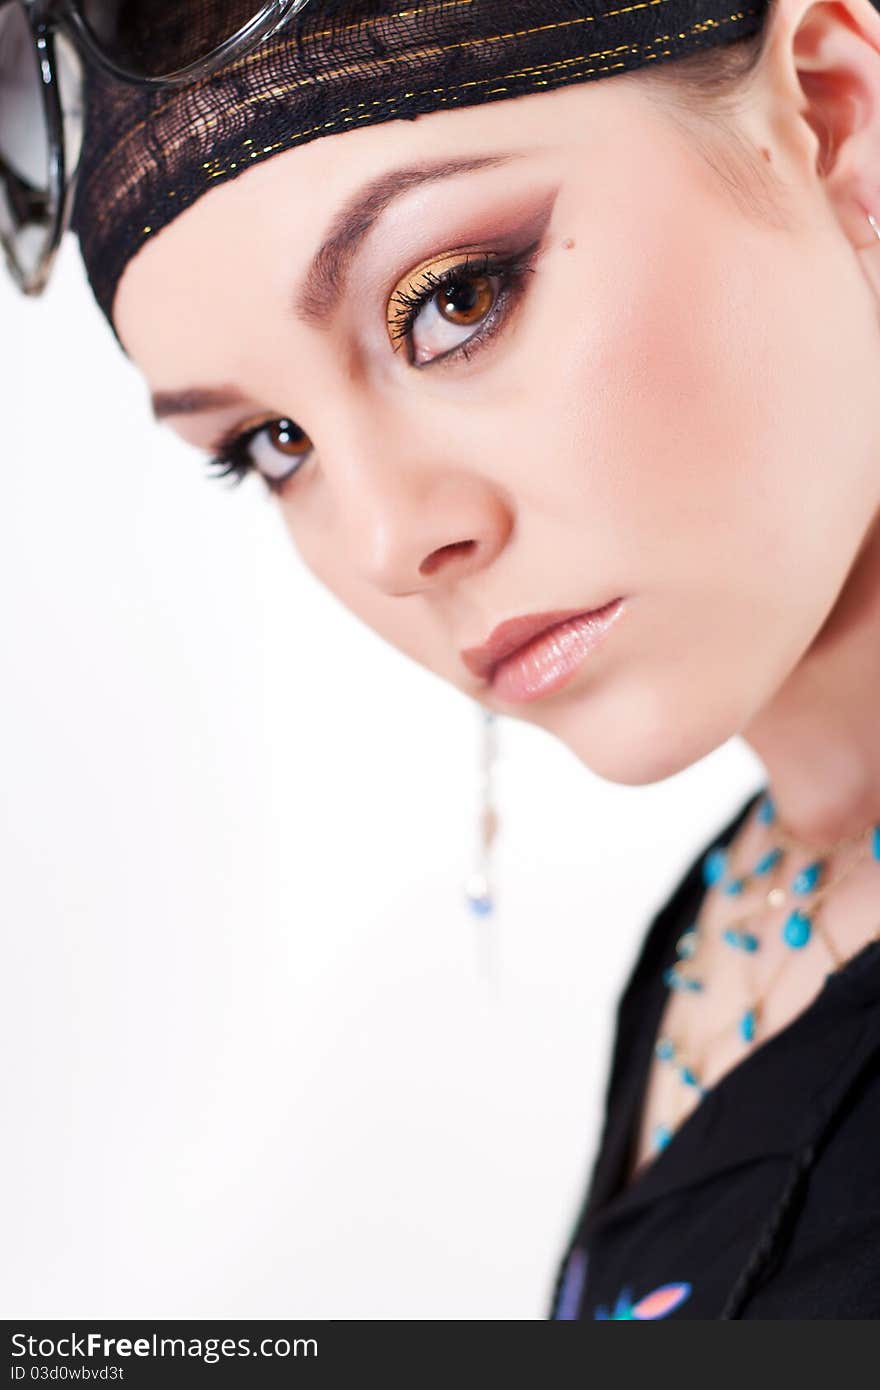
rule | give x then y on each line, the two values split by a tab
58	186
48	17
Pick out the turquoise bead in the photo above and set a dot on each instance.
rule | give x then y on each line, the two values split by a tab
674	980
766	810
747	1025
687	943
688	1077
662	1136
742	940
766	862
797	929
714	865
806	880
875	842
664	1049
734	886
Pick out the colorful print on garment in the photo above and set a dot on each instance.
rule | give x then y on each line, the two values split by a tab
659	1303
568	1301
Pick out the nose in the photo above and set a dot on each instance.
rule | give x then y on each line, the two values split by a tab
414	526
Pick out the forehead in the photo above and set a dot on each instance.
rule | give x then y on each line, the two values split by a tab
191	300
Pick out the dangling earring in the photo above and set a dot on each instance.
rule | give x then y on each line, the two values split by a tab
478	889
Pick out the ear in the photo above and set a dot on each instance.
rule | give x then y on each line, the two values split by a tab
826	56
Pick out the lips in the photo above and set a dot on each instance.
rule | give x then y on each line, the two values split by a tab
509	636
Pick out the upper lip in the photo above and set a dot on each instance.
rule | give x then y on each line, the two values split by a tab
507	637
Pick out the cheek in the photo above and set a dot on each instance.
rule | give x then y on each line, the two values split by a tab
709	417
723	473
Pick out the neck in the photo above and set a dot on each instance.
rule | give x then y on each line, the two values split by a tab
819	737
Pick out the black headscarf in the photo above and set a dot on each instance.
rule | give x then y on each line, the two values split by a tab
341	64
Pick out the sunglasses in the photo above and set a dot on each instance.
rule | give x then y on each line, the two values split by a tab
44	46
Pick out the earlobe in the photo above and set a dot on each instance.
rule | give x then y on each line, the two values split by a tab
834	48
874	224
871	257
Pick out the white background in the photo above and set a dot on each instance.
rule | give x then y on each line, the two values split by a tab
259	1061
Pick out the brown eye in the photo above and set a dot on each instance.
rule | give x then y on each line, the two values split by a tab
451	314
451	307
465	302
288	438
278	448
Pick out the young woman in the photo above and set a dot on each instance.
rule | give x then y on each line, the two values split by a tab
569	389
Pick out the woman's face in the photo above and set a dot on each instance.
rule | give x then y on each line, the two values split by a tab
636	388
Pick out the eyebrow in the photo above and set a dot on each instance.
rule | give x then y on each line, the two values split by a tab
323	285
195	400
324	282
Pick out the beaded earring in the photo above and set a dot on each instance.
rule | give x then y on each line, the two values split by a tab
479	895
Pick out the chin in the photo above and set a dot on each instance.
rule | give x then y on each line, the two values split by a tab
640	736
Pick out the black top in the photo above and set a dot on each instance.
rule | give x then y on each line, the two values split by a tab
765	1203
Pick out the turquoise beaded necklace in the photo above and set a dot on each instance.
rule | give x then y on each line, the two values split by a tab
810	885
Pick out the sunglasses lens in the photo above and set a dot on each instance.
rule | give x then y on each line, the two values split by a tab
24	145
154	38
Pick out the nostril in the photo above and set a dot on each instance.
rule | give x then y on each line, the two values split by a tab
439	557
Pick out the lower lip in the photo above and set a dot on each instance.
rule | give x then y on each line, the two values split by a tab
550	660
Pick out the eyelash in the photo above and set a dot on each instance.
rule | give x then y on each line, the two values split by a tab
512	271
231	460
